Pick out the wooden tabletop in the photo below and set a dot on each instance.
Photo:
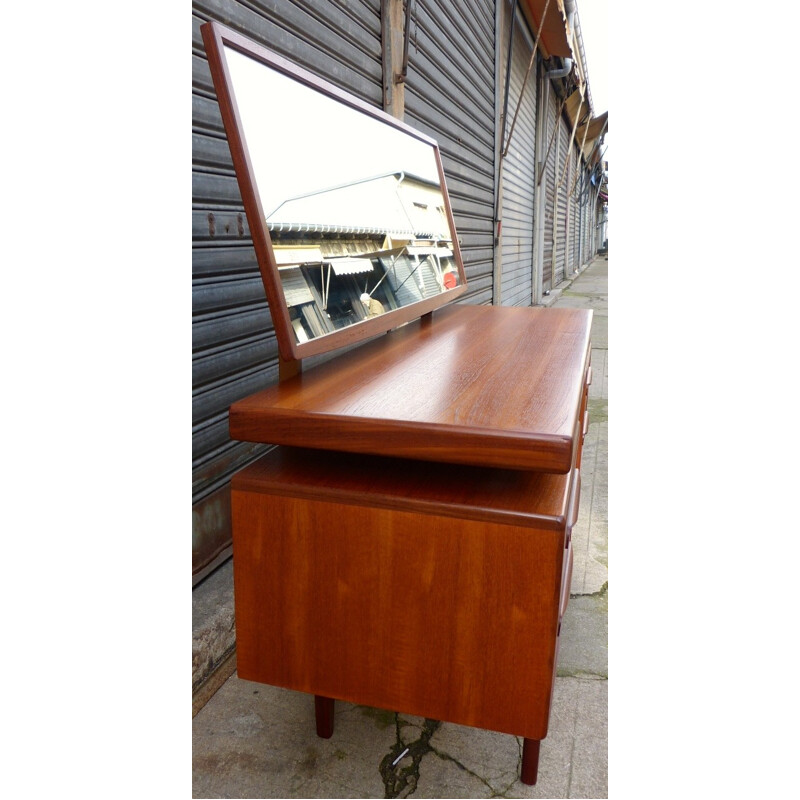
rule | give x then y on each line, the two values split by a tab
482	385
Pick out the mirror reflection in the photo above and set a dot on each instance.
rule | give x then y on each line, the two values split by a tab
353	205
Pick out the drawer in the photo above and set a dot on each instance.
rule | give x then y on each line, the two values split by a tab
573	506
583	414
566	566
585	401
566	582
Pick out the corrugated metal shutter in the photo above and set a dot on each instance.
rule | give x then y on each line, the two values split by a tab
449	94
234	348
581	193
586	216
561	201
595	218
574	227
518	175
549	192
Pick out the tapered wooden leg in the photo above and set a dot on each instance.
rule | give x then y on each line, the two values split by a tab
530	761
323	710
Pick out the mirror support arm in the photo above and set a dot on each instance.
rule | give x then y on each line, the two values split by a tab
288	368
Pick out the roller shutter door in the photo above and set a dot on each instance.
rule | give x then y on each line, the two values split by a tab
562	190
549	191
449	95
518	175
574	227
586	216
234	347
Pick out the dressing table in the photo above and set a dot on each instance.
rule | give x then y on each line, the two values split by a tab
407	544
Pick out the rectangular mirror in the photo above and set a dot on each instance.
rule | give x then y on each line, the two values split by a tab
347	206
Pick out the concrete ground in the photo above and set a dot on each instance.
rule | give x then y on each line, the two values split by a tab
252	740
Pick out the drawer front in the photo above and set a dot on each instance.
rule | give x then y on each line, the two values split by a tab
566	566
566	582
573	506
584	414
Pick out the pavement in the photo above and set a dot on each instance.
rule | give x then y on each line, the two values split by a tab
253	740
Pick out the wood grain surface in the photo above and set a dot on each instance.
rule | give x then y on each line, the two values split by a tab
544	500
482	385
362	593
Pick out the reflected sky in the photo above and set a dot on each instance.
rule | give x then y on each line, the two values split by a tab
302	141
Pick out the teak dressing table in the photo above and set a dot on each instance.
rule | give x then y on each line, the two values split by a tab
407	544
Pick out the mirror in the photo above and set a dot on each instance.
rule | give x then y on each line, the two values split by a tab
347	206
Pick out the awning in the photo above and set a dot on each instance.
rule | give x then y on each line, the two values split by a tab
578	110
590	127
596	128
554	31
597	125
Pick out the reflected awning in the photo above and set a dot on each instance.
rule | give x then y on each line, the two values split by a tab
442	252
293	256
395	204
350	266
295	288
554	31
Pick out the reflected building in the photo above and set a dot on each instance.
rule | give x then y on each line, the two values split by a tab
385	236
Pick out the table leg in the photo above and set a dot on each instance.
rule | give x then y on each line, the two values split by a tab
323	710
530	761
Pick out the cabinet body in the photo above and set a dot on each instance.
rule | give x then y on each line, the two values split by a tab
353	583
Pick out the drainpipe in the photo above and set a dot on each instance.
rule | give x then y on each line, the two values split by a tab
569	10
560	73
570	7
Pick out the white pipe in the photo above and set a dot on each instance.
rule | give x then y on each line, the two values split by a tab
569	10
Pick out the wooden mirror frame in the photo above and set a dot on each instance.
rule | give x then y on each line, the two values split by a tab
216	37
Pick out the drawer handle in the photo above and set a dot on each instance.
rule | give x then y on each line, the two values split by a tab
572	513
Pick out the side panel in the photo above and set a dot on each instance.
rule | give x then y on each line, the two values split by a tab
440	617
